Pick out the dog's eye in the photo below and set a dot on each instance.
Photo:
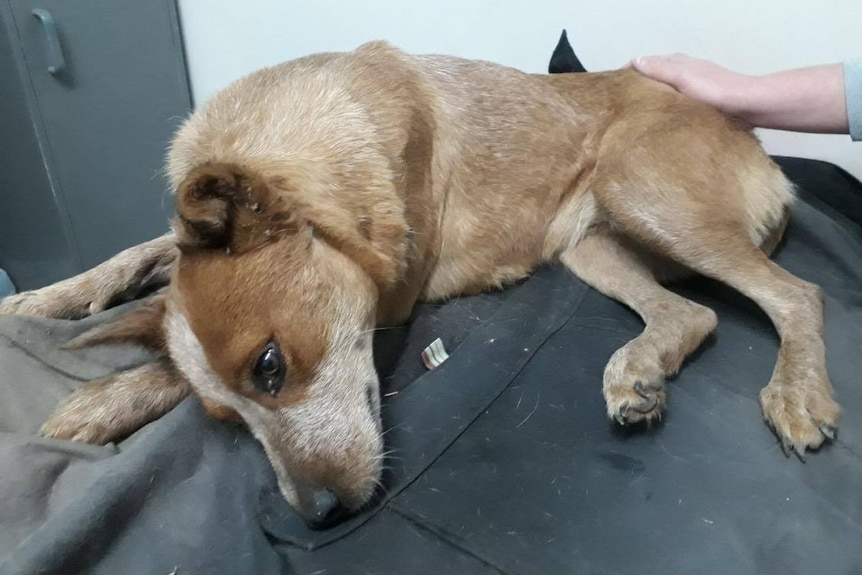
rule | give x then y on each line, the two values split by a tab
269	369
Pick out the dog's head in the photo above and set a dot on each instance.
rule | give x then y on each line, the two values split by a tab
270	317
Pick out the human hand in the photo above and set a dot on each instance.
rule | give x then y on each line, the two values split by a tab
700	79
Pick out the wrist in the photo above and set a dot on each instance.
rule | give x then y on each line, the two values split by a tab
743	97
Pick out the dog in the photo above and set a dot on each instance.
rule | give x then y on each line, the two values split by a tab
325	196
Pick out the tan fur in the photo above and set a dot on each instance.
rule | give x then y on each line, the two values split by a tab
124	276
321	197
110	408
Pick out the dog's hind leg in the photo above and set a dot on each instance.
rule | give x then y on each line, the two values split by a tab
703	231
634	377
797	403
122	277
111	408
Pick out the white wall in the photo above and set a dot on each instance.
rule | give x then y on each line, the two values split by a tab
228	38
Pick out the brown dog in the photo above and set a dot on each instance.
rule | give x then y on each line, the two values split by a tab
321	197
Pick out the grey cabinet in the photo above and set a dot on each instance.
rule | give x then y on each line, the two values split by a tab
91	92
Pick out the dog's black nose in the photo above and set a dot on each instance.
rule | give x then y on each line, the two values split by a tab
325	510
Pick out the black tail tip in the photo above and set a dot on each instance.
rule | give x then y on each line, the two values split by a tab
563	60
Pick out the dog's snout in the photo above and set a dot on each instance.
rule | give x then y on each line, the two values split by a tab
326	510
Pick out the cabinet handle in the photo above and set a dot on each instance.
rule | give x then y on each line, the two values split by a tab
55	50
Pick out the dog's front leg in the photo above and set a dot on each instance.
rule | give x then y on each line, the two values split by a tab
634	379
111	408
123	276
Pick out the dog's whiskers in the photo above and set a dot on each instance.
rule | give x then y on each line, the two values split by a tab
386	328
394	427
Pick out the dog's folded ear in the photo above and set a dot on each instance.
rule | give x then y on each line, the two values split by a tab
142	326
228	206
232	208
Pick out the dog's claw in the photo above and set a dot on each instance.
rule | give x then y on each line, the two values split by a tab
789	448
648	395
620	417
799	452
828	431
785	447
648	408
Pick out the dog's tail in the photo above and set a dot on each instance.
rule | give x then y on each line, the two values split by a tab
563	60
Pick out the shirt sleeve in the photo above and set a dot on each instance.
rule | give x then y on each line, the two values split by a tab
853	91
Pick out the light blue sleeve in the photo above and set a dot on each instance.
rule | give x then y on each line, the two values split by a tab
853	90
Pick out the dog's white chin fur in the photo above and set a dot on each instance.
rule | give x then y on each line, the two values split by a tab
333	428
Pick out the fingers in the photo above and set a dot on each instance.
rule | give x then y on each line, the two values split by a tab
667	69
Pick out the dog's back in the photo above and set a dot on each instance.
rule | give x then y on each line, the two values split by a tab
514	156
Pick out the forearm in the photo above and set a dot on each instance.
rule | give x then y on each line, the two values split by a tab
803	100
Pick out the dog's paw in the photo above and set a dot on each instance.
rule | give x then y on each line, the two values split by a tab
111	409
634	384
87	416
57	301
24	303
60	426
635	402
802	416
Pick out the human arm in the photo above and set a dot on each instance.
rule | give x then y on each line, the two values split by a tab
814	99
